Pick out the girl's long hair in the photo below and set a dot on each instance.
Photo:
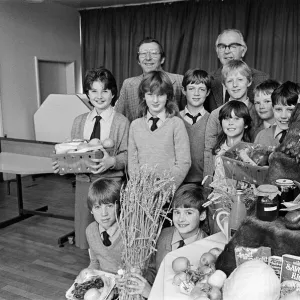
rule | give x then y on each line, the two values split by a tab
240	110
157	82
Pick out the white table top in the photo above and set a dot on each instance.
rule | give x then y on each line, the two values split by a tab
163	289
24	164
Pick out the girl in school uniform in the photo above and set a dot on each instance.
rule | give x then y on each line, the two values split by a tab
102	123
159	138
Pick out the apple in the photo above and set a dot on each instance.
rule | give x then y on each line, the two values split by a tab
92	294
215	251
217	279
180	264
108	143
207	258
94	142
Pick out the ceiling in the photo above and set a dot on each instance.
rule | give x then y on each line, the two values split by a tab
88	4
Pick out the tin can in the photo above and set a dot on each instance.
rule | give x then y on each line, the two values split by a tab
267	202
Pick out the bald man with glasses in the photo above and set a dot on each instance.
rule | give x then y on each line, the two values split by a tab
230	45
150	57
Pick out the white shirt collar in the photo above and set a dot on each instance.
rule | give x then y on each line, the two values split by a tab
201	111
177	238
162	116
105	115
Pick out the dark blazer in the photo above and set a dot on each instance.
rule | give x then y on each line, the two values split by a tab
215	98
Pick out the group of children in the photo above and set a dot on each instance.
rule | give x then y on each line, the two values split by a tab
187	144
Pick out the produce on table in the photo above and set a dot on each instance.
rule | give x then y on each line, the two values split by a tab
292	220
94	142
180	264
252	280
203	283
290	287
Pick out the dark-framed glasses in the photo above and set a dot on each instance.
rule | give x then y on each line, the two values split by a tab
232	47
152	52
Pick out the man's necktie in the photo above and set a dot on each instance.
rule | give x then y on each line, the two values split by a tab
96	130
227	96
154	124
194	118
181	244
282	136
106	241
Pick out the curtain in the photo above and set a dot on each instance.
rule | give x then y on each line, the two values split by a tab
188	31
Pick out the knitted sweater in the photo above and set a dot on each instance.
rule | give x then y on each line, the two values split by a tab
103	258
167	147
196	134
118	133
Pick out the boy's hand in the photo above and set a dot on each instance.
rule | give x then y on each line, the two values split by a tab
103	164
138	285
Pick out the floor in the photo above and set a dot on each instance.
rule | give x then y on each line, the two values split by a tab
32	266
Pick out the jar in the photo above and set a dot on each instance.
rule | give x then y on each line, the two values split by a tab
287	188
267	202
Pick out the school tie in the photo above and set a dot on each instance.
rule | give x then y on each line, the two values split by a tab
154	123
282	136
96	130
181	244
227	96
106	241
194	118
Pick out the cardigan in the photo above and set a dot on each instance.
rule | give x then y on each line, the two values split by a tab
167	148
266	137
128	101
215	98
196	135
105	258
118	133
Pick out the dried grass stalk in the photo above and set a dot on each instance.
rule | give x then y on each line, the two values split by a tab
145	203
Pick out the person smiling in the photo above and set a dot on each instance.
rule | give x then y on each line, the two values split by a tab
101	123
150	57
284	101
237	77
230	45
159	138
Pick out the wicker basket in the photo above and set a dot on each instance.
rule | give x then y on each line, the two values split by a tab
77	162
239	170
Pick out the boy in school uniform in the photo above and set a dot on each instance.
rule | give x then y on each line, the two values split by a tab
237	77
103	235
196	87
188	215
284	100
263	103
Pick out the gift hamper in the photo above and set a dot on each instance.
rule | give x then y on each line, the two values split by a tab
247	162
76	156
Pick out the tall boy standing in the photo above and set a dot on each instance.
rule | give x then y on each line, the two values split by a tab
196	88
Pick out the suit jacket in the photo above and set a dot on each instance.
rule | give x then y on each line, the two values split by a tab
215	98
128	102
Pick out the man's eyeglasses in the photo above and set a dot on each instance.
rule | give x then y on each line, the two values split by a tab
232	47
153	53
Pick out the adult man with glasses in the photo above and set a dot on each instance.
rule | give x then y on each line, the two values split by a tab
230	45
150	56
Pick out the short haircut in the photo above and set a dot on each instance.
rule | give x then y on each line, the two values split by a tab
157	82
148	40
286	94
266	87
189	195
196	76
103	75
232	30
239	66
104	191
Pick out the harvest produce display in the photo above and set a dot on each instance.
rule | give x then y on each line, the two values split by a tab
91	285
199	282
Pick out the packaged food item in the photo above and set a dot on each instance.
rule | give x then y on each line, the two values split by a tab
275	262
243	254
290	269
